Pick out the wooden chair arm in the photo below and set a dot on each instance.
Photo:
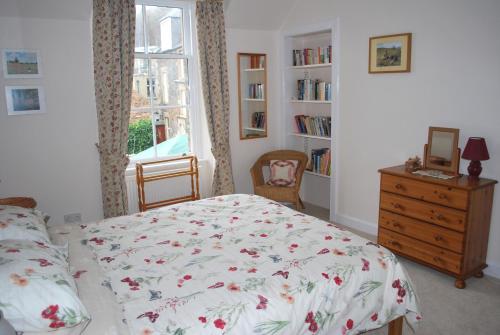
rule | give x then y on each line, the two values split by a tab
299	173
256	173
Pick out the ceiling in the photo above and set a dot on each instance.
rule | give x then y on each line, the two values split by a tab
257	14
47	9
240	14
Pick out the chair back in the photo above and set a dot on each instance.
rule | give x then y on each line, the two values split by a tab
265	160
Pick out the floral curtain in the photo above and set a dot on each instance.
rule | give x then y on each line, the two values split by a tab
213	64
113	43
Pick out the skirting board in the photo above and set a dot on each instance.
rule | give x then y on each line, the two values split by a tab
363	226
492	270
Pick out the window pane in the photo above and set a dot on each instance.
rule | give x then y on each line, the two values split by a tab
172	131
140	135
141	84
139	30
164	29
169	82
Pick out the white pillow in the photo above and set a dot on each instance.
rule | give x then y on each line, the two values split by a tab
18	223
37	292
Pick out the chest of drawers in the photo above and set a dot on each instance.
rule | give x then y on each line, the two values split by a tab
440	223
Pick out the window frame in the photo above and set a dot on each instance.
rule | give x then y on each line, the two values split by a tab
190	55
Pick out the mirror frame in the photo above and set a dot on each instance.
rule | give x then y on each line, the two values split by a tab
241	98
455	160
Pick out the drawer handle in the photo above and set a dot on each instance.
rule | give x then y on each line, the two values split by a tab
399	186
396	224
438	238
398	206
395	243
440	217
438	259
442	196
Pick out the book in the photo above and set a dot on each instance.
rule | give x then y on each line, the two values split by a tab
309	89
311	56
320	161
313	125
256	91
258	120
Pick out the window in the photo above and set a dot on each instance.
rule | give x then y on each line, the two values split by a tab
161	118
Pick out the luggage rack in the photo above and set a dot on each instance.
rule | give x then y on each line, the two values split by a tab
191	170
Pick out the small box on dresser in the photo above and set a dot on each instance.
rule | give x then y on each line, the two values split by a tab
441	223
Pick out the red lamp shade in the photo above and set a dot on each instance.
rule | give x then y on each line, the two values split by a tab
476	149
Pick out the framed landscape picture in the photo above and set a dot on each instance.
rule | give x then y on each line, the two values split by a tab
24	100
21	63
390	53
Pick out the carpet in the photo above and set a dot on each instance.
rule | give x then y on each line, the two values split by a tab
445	309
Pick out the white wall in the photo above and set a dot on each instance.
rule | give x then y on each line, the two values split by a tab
454	82
245	152
51	156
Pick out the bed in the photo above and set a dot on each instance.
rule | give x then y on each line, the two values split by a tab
238	264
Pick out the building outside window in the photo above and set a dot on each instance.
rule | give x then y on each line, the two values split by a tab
161	118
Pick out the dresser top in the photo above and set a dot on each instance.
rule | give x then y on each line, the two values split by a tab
461	181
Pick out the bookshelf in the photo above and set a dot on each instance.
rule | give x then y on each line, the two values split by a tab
310	106
252	95
326	138
295	101
310	66
316	174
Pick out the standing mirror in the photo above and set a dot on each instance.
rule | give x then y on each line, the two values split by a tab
252	95
441	151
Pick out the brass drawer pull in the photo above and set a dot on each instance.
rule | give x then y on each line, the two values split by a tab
398	206
396	224
395	243
438	238
443	196
399	186
440	217
438	259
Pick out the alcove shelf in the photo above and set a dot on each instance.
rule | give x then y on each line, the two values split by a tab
310	107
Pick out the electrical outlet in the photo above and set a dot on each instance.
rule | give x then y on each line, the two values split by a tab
73	218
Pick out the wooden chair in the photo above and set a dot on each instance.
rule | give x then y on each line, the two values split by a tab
279	193
191	170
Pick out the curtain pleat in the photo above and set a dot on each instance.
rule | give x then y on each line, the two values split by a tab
213	64
113	46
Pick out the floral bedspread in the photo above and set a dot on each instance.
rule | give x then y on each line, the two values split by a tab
242	264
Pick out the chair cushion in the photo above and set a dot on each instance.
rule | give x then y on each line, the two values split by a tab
283	172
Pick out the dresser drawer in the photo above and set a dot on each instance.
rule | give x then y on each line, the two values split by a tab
426	252
420	230
439	215
442	195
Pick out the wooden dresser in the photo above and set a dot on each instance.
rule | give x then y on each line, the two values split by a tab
441	223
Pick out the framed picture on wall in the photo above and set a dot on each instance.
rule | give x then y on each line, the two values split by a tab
390	53
25	100
21	63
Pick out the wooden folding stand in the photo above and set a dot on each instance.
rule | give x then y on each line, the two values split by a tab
191	170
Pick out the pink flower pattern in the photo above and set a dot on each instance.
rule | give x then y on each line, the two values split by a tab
271	259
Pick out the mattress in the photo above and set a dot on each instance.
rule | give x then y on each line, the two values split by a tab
237	264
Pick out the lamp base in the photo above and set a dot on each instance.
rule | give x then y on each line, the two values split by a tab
474	169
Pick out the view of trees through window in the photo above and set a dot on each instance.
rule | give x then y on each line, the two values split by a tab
159	119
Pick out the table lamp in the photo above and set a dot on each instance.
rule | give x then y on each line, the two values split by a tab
475	151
